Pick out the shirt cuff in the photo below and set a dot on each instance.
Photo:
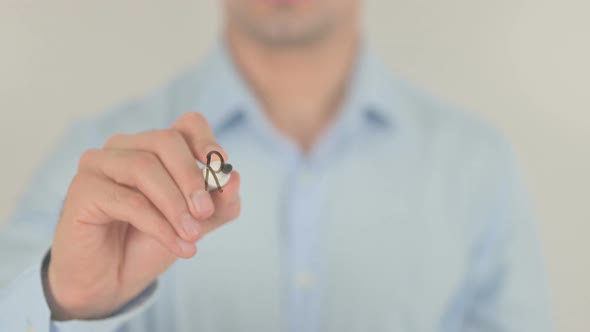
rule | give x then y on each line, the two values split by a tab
23	307
22	303
132	309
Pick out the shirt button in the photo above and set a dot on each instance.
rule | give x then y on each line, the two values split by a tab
304	280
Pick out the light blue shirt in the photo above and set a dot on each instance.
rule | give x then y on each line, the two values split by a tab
406	216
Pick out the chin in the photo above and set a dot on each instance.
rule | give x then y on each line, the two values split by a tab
287	2
284	22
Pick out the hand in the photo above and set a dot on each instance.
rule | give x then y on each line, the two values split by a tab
132	209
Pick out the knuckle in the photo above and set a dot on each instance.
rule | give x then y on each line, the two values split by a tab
133	200
194	118
88	158
78	183
167	138
113	140
144	162
80	198
170	136
82	178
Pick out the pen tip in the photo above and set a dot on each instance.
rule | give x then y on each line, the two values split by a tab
227	168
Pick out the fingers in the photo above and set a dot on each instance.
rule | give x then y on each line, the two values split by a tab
144	171
120	203
176	156
227	205
161	164
198	134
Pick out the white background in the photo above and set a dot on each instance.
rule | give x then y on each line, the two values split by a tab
521	64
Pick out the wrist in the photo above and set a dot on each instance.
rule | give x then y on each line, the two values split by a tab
62	308
57	313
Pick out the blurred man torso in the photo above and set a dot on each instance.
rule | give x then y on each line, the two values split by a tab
395	213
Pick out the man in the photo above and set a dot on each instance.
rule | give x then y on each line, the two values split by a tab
367	206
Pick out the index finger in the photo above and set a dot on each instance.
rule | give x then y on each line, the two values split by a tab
199	136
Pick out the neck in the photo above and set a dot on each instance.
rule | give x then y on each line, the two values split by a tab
300	89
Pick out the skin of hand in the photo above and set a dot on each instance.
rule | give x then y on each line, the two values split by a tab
132	209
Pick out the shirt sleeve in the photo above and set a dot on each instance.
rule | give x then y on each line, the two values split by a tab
114	322
510	291
23	307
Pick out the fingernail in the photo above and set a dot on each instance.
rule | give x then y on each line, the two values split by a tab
202	201
190	225
213	147
185	246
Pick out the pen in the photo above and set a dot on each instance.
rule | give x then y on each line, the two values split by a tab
217	173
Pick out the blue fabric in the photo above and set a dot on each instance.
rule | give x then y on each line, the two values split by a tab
407	215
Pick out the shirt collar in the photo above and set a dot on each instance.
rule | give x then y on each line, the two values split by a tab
225	98
370	98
